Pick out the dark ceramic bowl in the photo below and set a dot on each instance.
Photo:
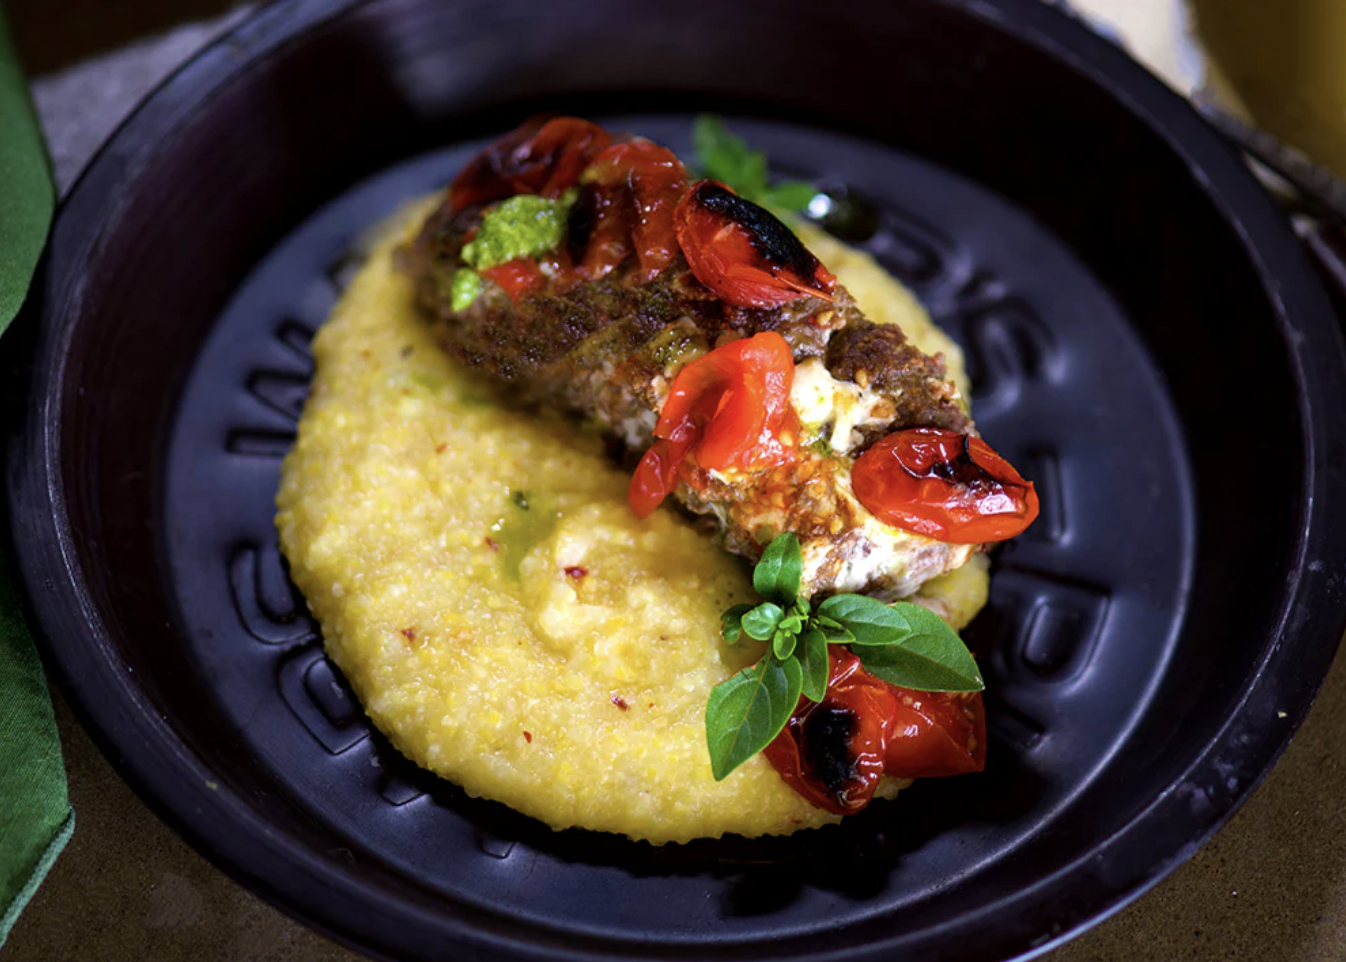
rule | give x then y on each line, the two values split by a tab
1146	339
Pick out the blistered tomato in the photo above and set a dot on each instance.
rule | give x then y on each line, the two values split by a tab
518	277
647	181
743	253
727	409
544	155
949	486
834	752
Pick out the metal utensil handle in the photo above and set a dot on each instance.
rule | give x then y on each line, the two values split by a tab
1317	192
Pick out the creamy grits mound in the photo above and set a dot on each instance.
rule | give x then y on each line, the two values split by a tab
500	612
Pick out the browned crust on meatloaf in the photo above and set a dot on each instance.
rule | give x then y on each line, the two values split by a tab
879	357
597	348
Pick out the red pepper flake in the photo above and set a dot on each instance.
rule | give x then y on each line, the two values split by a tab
528	737
409	634
492	543
442	448
576	572
620	702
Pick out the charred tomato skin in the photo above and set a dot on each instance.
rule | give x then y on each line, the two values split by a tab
743	253
835	752
543	155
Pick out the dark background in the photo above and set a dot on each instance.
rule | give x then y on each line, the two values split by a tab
52	34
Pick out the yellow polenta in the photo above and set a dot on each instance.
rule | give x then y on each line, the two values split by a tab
499	610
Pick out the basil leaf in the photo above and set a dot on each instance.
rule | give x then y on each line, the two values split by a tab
870	621
790	195
834	632
727	158
752	170
761	622
783	643
777	575
899	666
812	655
747	711
731	623
929	657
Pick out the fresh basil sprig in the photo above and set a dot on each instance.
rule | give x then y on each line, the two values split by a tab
903	643
726	157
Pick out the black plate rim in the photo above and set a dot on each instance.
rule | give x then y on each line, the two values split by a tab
176	783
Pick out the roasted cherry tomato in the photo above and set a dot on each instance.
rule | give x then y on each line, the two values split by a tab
656	475
935	733
743	253
654	180
736	399
727	409
601	223
949	486
518	277
542	156
834	752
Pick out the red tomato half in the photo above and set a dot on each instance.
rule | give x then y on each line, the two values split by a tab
948	486
834	752
518	277
727	409
611	219
935	733
652	180
655	476
542	156
743	253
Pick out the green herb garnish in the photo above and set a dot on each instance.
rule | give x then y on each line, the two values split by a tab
526	225
903	643
726	157
464	288
746	712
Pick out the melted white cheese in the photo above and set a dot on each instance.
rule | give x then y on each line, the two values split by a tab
886	562
829	409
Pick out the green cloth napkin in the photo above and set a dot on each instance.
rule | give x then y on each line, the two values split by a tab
26	192
35	815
